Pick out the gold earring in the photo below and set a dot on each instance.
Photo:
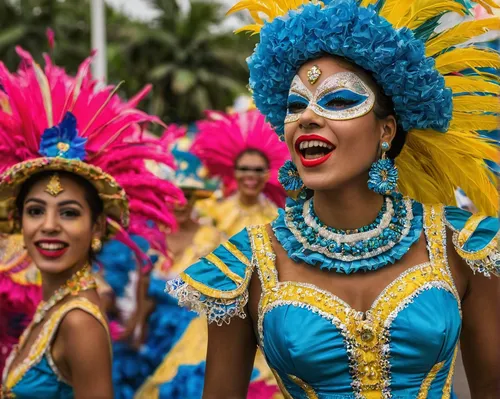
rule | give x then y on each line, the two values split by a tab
96	245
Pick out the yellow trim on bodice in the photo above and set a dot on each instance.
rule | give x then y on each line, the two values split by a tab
366	334
42	344
423	393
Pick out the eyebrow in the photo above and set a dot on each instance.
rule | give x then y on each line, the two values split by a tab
63	203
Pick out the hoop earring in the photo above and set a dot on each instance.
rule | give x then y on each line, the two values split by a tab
383	175
96	245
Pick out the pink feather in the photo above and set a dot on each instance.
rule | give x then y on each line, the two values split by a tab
112	126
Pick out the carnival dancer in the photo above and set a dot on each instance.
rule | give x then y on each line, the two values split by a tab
68	152
239	149
364	284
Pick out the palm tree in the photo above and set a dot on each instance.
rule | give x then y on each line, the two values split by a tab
192	63
25	22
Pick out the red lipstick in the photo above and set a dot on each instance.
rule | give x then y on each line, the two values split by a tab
42	248
310	163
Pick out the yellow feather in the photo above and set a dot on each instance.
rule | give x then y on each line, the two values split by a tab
476	104
433	164
271	9
464	58
460	34
471	84
394	10
488	5
423	10
473	122
366	3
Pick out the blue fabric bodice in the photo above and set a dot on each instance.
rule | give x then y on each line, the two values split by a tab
37	376
42	380
403	347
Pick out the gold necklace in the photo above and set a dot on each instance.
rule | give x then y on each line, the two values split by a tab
82	280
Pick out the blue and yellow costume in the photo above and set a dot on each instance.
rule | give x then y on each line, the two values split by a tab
37	375
405	345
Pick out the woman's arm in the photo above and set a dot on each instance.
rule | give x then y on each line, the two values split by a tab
230	358
87	354
480	340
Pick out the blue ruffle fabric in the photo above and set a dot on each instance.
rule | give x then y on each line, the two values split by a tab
395	57
188	383
65	133
130	367
118	260
298	253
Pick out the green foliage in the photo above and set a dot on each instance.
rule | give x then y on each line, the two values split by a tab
193	63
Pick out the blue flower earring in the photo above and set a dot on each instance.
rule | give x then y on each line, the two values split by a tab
289	177
383	174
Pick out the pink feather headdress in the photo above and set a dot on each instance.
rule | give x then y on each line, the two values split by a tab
52	121
222	137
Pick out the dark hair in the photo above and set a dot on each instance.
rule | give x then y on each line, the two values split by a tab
252	151
383	108
91	195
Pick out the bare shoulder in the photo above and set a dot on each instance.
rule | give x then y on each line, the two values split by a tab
79	325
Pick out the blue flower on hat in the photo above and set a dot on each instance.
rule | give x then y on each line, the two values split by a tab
63	141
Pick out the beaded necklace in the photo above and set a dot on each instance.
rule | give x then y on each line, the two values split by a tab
305	238
82	280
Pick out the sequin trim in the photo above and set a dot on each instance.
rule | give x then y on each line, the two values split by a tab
42	344
366	335
218	306
308	390
426	384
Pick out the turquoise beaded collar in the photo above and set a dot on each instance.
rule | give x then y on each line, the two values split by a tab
397	227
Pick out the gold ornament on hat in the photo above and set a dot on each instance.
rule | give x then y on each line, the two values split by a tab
54	186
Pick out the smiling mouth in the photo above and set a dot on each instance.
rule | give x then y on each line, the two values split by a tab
313	150
51	249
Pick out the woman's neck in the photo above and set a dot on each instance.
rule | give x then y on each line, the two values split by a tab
188	226
347	208
51	282
246	200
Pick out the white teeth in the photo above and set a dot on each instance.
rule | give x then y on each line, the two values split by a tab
51	246
314	143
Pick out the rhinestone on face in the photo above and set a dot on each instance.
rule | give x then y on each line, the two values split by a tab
313	74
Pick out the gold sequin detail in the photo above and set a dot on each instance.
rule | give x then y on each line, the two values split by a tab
423	393
367	334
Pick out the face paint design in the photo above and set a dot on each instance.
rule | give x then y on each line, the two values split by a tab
342	96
